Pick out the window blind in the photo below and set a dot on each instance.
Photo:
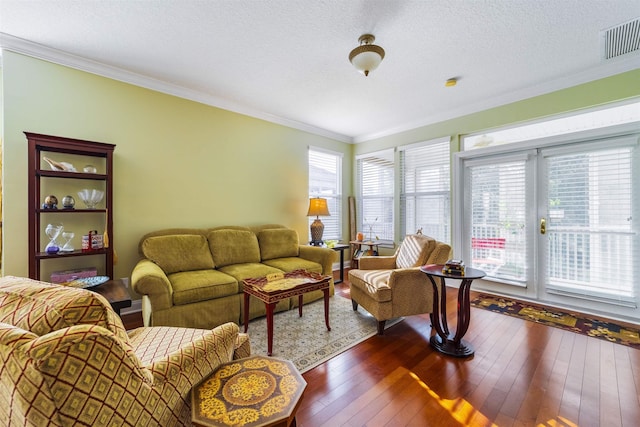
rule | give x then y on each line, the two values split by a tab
591	245
325	180
497	194
375	181
425	196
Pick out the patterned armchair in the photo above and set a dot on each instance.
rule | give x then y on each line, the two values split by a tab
66	360
393	286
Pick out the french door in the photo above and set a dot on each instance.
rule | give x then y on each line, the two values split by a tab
589	242
557	223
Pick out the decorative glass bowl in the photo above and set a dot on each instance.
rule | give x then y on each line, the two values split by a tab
91	197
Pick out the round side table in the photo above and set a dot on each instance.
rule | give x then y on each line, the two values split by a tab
442	340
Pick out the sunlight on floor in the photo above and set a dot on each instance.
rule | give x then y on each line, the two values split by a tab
460	410
463	412
560	422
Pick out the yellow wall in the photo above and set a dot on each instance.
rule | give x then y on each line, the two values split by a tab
181	163
177	163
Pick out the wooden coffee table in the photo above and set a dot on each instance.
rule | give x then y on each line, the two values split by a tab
256	391
270	290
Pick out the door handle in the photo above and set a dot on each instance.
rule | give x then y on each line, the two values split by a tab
543	225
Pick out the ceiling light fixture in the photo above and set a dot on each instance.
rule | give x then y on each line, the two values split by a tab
451	82
367	56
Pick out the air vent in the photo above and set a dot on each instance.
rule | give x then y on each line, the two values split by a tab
621	39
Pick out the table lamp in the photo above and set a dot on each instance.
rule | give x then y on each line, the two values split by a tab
317	207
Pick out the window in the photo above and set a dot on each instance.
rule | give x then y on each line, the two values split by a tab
425	198
375	178
325	180
496	208
554	218
611	116
590	220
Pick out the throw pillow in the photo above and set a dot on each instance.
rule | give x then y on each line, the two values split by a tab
233	247
278	243
180	252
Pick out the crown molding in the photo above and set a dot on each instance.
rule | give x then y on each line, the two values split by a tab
25	47
38	51
608	69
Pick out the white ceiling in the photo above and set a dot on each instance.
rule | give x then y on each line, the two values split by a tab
287	61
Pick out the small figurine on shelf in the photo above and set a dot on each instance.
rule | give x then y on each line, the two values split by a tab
370	224
53	231
92	241
59	166
68	202
67	236
50	202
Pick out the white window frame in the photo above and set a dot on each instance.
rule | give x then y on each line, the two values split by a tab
380	229
621	309
333	223
425	150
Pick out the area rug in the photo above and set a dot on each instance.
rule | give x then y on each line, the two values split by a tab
606	330
305	340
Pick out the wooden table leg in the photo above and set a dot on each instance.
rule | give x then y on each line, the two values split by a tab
246	312
300	305
326	308
441	341
270	308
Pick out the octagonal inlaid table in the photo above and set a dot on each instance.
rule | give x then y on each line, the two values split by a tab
257	391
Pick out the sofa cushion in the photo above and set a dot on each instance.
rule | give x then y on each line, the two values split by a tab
178	252
201	285
248	270
278	243
41	307
233	247
294	263
374	283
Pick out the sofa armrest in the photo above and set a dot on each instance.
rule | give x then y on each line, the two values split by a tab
441	254
377	263
147	278
242	347
323	256
412	291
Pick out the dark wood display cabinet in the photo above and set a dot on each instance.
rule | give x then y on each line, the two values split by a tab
93	164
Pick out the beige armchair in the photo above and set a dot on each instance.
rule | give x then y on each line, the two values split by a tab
392	286
66	360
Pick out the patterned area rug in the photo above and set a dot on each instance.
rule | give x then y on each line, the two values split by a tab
606	330
305	340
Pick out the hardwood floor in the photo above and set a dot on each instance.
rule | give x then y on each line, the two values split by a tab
522	374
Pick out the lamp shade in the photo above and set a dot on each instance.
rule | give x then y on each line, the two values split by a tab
367	56
318	207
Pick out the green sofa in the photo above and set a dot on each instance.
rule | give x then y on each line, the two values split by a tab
193	277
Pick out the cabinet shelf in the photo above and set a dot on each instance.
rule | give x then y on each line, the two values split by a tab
41	146
71	175
46	255
56	211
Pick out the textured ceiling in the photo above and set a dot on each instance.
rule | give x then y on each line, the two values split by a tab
287	61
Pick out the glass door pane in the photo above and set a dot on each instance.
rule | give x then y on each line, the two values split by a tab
498	197
590	237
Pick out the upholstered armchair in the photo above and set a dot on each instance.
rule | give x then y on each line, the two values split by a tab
66	359
392	286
